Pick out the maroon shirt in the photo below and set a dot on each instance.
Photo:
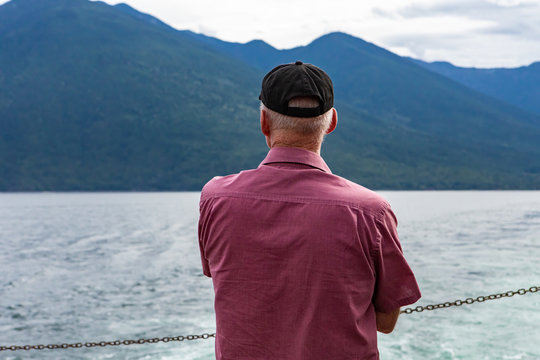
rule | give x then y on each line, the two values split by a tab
300	260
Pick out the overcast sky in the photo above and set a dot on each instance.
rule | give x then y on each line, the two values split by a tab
481	33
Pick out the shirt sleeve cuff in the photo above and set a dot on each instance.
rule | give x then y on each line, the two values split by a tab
391	306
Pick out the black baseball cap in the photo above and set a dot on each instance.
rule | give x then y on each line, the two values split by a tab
288	81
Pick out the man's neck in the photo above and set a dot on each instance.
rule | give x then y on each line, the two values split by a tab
288	140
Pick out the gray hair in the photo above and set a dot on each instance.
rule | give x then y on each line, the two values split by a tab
305	126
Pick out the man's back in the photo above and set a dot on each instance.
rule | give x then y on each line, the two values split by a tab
301	260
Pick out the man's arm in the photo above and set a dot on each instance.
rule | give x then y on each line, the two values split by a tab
395	284
387	321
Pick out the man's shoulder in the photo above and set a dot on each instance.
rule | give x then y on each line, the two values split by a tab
221	184
216	184
360	196
319	187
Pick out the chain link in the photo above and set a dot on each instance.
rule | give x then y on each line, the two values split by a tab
444	305
107	343
470	301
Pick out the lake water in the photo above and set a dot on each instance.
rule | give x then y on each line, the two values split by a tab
77	267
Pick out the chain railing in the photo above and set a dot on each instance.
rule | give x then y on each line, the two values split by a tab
106	343
470	301
79	345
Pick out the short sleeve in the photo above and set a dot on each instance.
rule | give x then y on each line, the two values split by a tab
395	284
204	220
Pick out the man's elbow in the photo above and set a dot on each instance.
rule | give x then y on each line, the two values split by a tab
386	322
385	329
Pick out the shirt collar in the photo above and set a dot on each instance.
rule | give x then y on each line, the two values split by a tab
280	154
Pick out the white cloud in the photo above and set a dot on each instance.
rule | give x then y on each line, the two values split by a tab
511	3
482	33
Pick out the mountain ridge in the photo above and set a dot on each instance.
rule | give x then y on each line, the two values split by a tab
518	86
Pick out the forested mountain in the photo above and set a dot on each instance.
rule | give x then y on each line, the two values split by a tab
93	98
99	97
518	86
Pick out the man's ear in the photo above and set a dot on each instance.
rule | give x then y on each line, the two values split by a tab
333	124
265	127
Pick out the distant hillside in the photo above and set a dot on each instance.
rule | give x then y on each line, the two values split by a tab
99	97
517	86
94	98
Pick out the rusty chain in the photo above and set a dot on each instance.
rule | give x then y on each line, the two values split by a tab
470	301
106	343
467	301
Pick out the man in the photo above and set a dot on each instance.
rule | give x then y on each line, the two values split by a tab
305	264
